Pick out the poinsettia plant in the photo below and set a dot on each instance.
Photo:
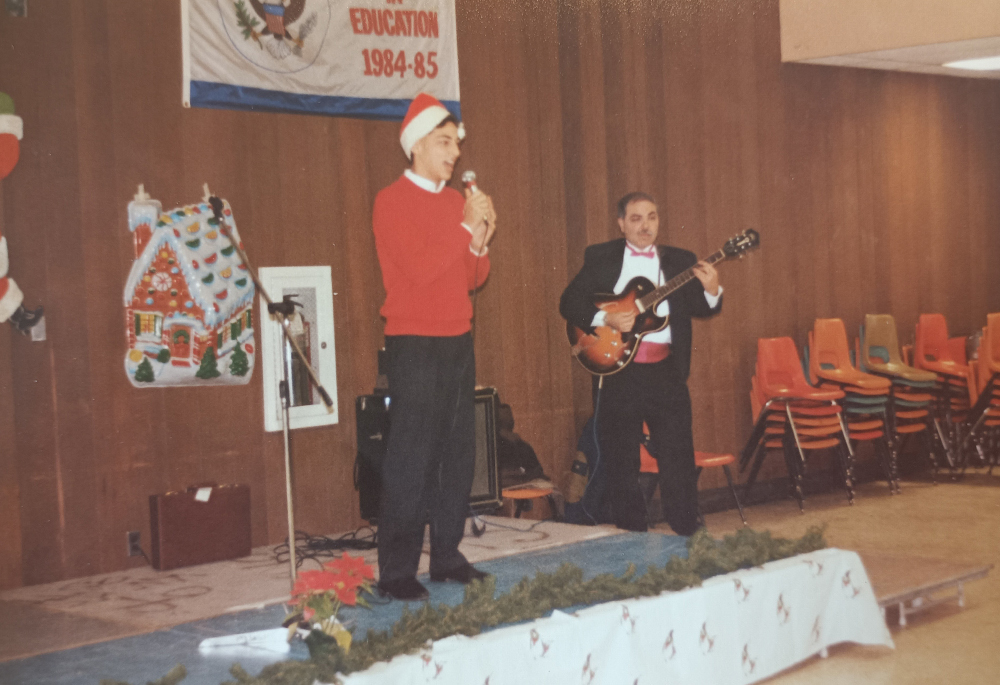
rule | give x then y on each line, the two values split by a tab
318	596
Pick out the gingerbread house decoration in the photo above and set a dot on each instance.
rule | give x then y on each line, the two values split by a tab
188	298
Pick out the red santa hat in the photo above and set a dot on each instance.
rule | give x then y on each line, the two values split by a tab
423	116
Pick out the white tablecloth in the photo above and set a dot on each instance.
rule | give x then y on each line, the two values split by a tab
734	629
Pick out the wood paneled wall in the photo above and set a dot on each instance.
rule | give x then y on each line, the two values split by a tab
873	192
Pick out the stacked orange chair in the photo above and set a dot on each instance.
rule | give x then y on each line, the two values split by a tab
955	385
984	417
911	394
866	397
794	417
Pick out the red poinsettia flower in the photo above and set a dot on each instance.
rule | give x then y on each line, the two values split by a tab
352	582
355	567
346	594
314	581
338	581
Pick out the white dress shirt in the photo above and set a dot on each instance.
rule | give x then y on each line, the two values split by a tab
638	265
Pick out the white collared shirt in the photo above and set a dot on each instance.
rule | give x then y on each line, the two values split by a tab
637	265
425	183
432	187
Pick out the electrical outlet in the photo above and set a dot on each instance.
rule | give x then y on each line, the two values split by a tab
132	539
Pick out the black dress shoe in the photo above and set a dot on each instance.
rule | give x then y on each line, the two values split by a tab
466	573
406	589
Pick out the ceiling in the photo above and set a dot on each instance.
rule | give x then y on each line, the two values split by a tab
897	35
926	59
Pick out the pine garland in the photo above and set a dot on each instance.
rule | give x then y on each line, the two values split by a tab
528	600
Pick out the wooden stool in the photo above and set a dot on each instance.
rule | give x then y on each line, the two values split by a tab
523	496
710	459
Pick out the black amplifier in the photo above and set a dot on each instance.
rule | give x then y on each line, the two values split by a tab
372	414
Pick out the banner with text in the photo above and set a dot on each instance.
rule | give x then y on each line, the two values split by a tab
356	58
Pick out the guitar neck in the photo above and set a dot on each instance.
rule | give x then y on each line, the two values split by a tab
653	298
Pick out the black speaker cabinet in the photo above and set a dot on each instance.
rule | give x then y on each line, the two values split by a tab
372	416
485	495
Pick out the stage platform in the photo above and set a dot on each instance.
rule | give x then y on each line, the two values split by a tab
137	624
140	658
734	629
47	618
908	585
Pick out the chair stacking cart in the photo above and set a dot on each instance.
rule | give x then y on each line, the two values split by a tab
866	397
911	393
794	417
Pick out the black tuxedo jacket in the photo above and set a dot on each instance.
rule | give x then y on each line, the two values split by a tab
602	265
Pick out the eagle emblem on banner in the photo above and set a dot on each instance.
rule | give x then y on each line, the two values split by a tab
280	28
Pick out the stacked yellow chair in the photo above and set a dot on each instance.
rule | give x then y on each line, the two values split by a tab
866	397
911	394
792	416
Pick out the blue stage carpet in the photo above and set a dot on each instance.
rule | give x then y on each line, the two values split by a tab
147	657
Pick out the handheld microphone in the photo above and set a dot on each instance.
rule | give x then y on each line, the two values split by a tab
469	179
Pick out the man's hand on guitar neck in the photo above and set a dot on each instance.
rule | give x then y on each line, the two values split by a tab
622	321
708	276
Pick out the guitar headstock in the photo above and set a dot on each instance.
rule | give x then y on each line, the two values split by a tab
740	243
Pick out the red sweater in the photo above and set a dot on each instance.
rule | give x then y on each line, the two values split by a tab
427	266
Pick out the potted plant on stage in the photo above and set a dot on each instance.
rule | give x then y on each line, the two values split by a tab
317	598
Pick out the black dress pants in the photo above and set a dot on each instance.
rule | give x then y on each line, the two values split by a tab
657	394
430	460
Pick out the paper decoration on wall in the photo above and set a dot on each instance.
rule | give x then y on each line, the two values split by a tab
26	321
319	56
188	299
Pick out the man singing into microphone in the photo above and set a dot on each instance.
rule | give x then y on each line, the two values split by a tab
431	246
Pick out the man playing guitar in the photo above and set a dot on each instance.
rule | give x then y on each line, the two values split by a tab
652	388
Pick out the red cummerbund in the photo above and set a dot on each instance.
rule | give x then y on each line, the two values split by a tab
189	528
650	353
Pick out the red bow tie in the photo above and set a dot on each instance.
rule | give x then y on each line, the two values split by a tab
651	253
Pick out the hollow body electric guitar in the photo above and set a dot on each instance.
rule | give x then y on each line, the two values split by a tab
607	350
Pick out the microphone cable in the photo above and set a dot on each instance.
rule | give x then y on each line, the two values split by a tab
475	289
597	446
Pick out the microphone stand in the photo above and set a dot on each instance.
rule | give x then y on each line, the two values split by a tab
285	309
